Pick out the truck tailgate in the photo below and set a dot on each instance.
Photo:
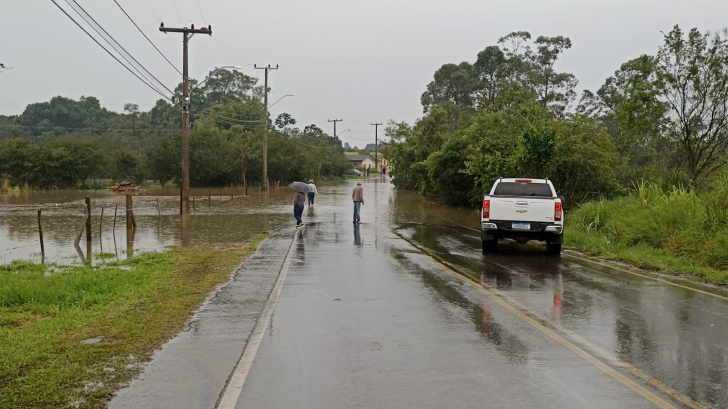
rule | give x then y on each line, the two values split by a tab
522	209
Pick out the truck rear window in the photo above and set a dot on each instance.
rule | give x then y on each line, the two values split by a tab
522	189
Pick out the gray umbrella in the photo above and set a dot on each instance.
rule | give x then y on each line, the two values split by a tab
300	187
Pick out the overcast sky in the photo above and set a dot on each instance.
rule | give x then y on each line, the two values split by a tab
362	61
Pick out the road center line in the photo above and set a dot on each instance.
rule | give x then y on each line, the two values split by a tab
231	393
589	260
463	276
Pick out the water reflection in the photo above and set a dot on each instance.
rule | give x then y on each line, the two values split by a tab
357	235
226	217
673	334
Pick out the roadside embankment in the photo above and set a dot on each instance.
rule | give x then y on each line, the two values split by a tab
678	231
71	336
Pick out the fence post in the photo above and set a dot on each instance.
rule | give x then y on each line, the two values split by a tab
88	219
129	212
42	246
115	208
101	226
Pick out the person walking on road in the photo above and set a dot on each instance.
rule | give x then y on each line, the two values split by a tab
311	193
369	167
358	196
298	202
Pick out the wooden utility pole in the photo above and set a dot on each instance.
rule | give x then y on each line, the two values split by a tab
376	146
335	121
187	33
265	128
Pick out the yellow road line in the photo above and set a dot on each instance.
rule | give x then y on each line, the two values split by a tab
468	279
646	276
722	297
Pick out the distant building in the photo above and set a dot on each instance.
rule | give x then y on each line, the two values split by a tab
382	161
361	161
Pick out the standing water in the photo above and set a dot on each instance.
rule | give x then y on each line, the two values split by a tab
221	216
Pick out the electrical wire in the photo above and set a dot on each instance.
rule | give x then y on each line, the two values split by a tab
111	41
109	52
201	13
178	15
153	12
145	36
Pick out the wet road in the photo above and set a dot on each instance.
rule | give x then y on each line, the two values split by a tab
378	316
405	312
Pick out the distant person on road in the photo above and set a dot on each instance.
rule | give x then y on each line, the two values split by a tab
358	196
311	193
369	167
298	202
384	170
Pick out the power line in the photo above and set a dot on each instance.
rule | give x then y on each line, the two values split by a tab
178	15
109	52
109	39
201	13
153	12
145	36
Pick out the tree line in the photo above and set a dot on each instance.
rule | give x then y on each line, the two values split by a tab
661	117
66	143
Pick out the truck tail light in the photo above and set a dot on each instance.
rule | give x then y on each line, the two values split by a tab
558	212
524	180
486	209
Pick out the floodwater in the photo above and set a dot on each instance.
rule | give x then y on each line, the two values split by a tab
221	216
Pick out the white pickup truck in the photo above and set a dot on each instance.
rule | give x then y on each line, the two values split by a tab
522	210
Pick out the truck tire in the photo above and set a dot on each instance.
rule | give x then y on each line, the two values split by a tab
553	248
489	246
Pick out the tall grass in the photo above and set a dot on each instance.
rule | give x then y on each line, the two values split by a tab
679	221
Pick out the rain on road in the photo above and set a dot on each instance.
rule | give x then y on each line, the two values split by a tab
404	311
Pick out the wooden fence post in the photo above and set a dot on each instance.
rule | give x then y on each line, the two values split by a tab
88	219
129	212
42	246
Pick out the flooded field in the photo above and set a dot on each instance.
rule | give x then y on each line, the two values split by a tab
220	217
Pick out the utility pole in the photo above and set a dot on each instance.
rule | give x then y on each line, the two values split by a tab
376	145
265	128
335	121
187	33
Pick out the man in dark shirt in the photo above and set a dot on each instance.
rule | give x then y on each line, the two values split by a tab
298	202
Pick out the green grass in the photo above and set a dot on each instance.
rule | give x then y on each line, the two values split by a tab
676	231
135	305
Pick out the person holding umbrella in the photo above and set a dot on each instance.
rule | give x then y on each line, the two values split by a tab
299	200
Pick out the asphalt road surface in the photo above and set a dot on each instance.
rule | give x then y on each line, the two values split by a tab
404	311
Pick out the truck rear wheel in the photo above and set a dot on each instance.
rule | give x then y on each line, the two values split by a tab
553	248
490	246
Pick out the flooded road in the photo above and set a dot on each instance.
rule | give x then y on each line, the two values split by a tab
221	217
405	311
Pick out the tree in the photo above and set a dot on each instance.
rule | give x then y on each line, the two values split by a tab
691	75
453	84
283	120
491	70
132	110
535	68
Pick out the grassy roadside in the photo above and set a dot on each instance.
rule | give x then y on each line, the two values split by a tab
134	305
673	231
640	255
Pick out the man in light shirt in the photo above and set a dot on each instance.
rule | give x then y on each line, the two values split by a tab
312	192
